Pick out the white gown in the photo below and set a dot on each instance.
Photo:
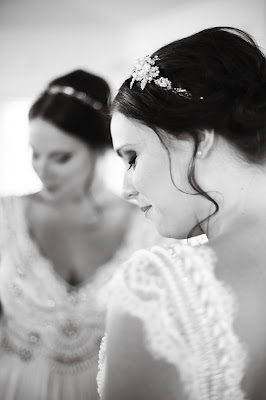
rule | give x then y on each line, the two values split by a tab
50	332
187	316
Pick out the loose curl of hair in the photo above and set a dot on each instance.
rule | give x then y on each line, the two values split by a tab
74	117
225	66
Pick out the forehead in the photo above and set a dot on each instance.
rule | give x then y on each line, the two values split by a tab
47	137
125	131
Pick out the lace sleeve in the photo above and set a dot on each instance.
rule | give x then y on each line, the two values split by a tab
187	316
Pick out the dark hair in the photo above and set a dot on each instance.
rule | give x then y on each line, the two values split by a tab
223	65
74	116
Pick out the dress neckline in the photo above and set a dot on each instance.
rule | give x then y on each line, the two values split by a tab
25	230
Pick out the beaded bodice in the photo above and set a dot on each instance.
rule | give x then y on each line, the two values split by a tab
42	316
187	316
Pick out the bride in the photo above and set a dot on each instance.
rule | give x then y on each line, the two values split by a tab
189	322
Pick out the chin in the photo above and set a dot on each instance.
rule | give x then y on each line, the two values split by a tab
171	232
163	231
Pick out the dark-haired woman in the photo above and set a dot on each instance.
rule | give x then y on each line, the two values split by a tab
190	323
60	246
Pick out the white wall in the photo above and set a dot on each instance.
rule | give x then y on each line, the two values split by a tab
189	17
32	57
40	48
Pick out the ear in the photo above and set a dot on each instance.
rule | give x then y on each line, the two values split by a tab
206	143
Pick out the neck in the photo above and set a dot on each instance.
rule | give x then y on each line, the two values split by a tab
242	196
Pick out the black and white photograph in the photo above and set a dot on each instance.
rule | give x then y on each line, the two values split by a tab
132	200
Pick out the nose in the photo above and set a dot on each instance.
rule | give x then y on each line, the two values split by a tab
129	192
42	168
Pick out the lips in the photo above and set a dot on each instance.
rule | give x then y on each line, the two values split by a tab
144	209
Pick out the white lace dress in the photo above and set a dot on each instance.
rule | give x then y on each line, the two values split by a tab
187	316
50	332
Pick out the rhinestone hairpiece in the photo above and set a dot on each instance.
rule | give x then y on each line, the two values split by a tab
82	96
145	71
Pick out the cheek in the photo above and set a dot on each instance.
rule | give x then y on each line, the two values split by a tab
161	192
150	175
78	169
62	172
167	201
71	171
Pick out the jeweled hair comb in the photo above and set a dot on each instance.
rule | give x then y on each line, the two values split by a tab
145	71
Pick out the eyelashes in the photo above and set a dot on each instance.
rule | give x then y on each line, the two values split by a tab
63	159
132	161
59	159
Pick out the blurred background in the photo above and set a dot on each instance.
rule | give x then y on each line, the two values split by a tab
40	40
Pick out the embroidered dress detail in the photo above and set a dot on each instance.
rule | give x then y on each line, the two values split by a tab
187	315
50	333
101	365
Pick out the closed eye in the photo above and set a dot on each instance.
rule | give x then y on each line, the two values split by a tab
132	160
129	156
62	158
